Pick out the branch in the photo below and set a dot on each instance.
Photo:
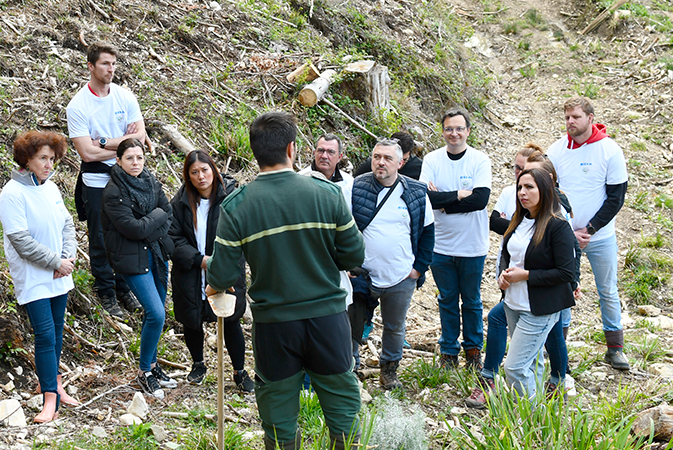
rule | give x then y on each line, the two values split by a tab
349	118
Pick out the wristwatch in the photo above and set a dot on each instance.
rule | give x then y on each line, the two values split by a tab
590	229
102	142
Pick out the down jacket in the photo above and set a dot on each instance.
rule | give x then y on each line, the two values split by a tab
190	308
128	232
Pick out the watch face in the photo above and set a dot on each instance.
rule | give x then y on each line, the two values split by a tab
102	142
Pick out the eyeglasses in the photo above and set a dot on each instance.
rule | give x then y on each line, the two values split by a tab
326	151
457	130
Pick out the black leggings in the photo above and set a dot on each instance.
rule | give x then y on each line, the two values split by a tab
233	340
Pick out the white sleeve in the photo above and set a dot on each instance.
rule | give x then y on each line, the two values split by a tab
429	216
617	173
500	204
482	174
12	214
134	114
427	174
78	123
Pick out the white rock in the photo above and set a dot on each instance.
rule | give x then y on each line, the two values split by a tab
11	377
130	419
138	406
365	396
99	432
663	322
458	411
9	387
663	370
479	43
12	414
599	376
649	310
215	6
159	433
172	445
35	403
72	390
125	327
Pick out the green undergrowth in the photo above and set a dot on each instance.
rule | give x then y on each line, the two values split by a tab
647	269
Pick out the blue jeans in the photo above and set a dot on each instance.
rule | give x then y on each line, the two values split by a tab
395	302
46	317
528	333
496	344
459	278
150	290
603	258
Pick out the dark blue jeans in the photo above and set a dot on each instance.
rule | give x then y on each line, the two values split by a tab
105	279
150	290
459	278
496	344
46	317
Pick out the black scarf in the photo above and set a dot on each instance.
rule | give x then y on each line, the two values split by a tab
140	190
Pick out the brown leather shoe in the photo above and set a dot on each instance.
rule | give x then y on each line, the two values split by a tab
473	359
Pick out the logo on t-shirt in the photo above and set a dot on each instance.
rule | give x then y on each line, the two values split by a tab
465	181
585	166
120	116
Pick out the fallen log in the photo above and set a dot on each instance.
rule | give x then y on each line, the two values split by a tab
660	417
602	16
306	72
312	93
177	139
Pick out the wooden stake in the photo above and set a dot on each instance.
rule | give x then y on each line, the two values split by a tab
602	16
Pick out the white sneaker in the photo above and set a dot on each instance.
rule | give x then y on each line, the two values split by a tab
569	385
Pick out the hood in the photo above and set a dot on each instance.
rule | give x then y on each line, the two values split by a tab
597	133
28	178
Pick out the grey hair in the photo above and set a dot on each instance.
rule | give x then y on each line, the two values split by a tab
332	137
386	142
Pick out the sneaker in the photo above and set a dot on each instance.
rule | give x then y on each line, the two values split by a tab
243	381
448	361
569	385
111	306
616	358
405	344
198	373
129	301
478	397
473	359
150	385
162	378
368	329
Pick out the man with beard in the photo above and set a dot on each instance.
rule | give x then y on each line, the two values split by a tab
592	172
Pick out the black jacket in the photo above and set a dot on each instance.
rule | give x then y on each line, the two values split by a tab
189	307
412	168
551	266
127	231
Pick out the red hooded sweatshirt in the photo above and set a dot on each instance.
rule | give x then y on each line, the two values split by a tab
598	133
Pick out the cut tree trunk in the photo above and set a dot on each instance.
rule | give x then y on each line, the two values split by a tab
312	93
370	83
307	72
662	418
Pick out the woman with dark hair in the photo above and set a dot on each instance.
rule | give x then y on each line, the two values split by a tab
195	216
40	247
537	266
136	217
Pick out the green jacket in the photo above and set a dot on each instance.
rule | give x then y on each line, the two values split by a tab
296	233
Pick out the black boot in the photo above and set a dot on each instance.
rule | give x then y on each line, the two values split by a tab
388	378
615	354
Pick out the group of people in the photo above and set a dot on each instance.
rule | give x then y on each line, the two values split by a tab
323	248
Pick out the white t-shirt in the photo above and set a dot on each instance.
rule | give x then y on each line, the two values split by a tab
200	234
388	253
97	117
40	211
583	174
459	234
516	295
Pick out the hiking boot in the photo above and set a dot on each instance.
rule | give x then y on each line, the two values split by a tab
448	361
388	378
473	359
478	397
162	378
129	301
111	306
198	373
243	381
150	385
615	356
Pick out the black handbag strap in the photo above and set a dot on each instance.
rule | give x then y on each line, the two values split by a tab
380	205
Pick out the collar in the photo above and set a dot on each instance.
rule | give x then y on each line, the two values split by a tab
287	169
336	176
28	178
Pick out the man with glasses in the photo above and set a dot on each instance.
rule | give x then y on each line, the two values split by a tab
411	164
328	152
459	184
394	214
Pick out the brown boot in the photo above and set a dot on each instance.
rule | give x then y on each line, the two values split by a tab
473	359
388	378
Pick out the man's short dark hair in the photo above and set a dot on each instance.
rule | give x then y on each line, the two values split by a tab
270	134
405	140
453	112
95	49
332	137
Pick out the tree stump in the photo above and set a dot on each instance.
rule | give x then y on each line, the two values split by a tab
370	83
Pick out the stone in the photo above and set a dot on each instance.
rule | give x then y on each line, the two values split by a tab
138	406
172	445
71	390
662	418
663	322
365	396
11	413
215	6
159	433
9	387
130	419
599	376
649	310
35	403
662	370
480	44
99	432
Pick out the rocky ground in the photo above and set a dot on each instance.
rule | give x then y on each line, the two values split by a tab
191	61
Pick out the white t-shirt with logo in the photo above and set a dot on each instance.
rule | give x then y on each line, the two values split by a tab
97	117
516	295
200	235
389	257
583	174
459	234
40	211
